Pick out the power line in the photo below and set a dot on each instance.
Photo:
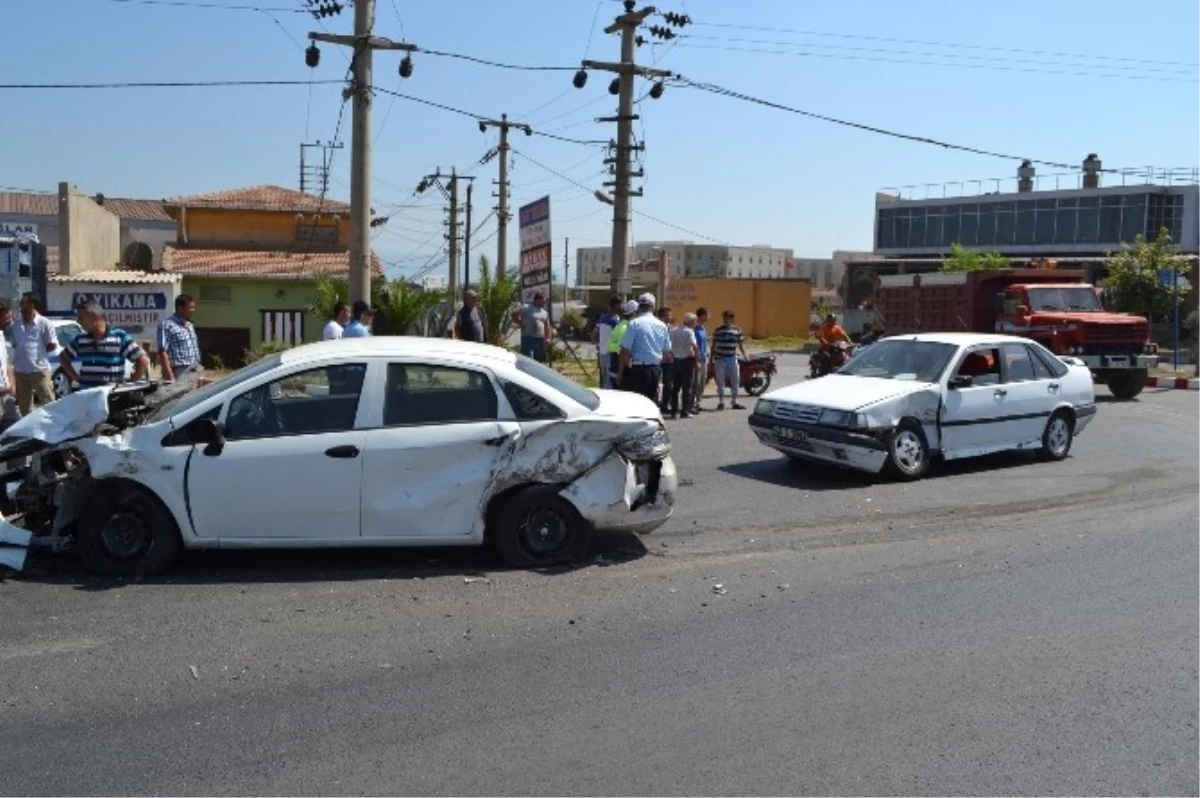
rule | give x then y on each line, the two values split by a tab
210	6
714	89
499	64
179	84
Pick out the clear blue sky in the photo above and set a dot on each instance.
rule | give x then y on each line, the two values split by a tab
728	170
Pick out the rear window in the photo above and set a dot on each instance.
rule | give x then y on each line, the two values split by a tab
558	382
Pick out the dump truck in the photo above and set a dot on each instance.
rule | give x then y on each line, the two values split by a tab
1055	307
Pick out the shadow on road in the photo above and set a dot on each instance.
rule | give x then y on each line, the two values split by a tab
323	565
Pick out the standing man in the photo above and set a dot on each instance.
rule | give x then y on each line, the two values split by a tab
683	347
177	342
701	331
614	344
102	351
643	346
33	339
601	335
470	323
337	323
360	322
8	404
535	327
727	341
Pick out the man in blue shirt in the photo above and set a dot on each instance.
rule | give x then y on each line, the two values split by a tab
702	357
102	351
360	321
643	346
178	345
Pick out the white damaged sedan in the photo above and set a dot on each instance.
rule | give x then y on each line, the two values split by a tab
908	398
387	441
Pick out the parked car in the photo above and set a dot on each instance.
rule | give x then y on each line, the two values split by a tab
385	441
65	331
908	398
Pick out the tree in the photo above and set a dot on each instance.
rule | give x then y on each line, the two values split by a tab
400	308
962	259
1134	284
497	296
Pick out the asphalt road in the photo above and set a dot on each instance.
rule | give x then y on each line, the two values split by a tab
1003	627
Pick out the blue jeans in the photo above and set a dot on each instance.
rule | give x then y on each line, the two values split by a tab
534	347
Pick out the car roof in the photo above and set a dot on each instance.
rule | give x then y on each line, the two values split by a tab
960	338
401	346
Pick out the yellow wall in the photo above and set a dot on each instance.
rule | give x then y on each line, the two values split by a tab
763	308
219	227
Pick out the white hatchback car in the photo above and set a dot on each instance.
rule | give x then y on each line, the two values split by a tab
386	441
909	397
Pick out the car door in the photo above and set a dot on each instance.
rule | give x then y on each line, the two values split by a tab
431	460
974	418
1032	393
291	467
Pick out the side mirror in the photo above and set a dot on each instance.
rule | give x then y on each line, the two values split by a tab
1022	310
960	381
207	432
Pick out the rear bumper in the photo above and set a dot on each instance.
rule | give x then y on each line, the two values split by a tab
621	495
821	444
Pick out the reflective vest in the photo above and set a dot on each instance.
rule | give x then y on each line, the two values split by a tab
614	338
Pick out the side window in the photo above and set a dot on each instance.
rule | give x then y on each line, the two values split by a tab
529	406
429	394
1056	367
306	403
1039	368
1016	361
981	365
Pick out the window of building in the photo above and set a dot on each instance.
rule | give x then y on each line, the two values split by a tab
1064	223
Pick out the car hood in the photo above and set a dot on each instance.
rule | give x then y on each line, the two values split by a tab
74	416
625	404
844	392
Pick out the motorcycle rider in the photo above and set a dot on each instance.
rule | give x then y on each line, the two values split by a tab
828	336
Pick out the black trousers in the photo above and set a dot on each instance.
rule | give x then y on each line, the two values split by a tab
668	386
682	385
643	380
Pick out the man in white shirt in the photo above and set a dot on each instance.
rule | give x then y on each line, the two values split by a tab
336	325
33	338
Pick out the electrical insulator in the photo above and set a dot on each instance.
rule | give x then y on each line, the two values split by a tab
580	79
406	67
312	56
615	86
678	20
656	90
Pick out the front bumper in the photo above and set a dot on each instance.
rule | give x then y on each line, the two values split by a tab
1118	361
842	448
621	495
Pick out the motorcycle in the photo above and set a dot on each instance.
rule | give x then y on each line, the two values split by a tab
829	359
754	373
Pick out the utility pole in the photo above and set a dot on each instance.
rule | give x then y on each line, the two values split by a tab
502	215
566	271
450	192
316	174
627	25
452	236
467	239
363	46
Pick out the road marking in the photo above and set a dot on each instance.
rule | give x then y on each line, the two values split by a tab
45	649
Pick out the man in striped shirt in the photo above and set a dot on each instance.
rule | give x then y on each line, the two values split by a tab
102	351
727	341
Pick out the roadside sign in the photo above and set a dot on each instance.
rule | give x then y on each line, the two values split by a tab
535	248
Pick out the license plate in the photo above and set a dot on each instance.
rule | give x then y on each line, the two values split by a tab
789	434
1118	361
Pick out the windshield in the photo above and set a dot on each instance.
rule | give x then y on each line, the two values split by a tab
558	382
186	401
900	359
1066	298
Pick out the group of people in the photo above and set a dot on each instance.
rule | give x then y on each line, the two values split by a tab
645	351
349	321
92	358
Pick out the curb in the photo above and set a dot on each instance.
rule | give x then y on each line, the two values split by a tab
1176	383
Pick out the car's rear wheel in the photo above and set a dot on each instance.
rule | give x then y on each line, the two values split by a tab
124	531
1056	440
908	452
538	527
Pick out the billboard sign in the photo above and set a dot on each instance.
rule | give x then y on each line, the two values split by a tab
535	248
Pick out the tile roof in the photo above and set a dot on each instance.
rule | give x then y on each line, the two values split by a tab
26	203
117	276
261	198
269	264
137	209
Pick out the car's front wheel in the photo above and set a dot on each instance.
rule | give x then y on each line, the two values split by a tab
124	531
908	452
1056	440
538	527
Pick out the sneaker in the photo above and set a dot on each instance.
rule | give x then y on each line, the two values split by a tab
721	406
736	406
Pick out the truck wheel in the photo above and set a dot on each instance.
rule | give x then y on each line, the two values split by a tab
1056	440
1127	384
538	527
124	531
908	452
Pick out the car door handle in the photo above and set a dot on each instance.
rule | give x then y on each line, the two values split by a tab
500	440
1001	392
1053	387
342	452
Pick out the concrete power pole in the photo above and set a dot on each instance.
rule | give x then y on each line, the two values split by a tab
627	24
363	46
502	214
452	235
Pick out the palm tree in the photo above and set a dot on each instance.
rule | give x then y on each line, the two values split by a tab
403	308
497	295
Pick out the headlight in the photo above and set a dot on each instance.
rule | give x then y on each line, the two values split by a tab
835	418
857	421
764	407
652	445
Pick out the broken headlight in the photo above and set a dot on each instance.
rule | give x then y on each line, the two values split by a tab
651	445
841	418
